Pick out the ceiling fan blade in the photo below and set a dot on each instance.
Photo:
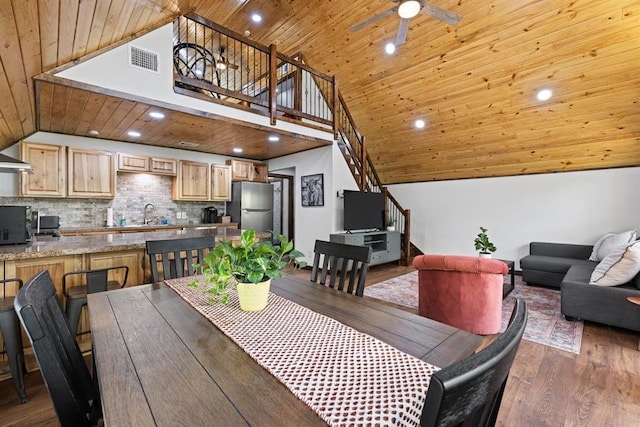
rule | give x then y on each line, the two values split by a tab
441	14
403	29
374	19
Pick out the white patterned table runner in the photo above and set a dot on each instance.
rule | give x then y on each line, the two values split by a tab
347	377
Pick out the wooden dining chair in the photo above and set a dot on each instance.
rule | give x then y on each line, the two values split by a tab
470	392
337	262
177	256
74	394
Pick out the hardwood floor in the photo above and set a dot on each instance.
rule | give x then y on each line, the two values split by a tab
547	387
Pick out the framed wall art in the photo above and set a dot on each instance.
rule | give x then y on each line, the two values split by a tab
313	190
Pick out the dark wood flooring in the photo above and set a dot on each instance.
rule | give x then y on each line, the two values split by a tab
547	387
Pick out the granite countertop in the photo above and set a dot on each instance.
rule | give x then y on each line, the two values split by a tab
140	227
49	246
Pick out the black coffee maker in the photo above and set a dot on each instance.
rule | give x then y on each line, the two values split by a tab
210	215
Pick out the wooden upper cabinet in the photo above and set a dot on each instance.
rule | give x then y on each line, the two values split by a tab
155	165
48	167
91	173
240	170
244	170
260	172
193	181
221	182
133	163
163	166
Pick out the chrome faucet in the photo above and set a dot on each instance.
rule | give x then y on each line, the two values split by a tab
148	208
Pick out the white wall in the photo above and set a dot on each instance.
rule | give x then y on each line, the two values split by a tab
571	207
316	222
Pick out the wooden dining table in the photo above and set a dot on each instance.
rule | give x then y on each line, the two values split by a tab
158	361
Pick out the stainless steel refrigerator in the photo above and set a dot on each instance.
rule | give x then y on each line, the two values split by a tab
251	205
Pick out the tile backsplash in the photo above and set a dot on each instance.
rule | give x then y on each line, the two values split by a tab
133	192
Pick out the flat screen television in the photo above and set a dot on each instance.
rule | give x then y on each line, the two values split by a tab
363	210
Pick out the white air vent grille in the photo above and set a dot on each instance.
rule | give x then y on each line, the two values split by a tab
143	59
187	144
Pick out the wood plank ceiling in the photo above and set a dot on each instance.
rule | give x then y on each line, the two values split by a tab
474	84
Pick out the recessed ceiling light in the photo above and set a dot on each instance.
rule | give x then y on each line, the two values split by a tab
544	95
390	48
274	138
256	18
133	134
156	115
237	150
408	9
419	124
94	132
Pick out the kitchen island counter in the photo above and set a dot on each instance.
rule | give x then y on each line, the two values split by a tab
49	246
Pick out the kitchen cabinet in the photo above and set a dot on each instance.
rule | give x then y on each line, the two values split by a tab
133	163
193	181
146	164
91	173
48	166
259	172
220	182
133	259
163	166
25	269
244	170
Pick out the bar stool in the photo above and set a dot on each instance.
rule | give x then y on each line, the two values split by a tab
96	281
10	328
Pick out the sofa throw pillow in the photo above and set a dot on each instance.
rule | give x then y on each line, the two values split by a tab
618	268
596	246
611	243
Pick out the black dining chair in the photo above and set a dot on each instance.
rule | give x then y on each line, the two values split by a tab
96	280
177	256
74	394
12	337
469	392
337	262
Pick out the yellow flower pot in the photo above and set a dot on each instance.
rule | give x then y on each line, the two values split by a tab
253	297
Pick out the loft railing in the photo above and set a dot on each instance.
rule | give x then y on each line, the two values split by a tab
217	64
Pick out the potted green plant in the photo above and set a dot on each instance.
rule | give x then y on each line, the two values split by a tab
391	224
248	266
483	244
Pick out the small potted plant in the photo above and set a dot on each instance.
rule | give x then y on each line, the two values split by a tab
483	244
248	266
391	224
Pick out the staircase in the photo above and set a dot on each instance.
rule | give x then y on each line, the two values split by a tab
289	89
352	146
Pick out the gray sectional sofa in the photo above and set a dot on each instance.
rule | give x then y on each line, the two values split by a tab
567	266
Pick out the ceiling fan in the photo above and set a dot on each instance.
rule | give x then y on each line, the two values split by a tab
222	63
408	9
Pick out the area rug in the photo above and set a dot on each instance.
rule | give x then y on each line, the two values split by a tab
545	324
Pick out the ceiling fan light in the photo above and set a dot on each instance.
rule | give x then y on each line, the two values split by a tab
390	48
221	66
408	9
